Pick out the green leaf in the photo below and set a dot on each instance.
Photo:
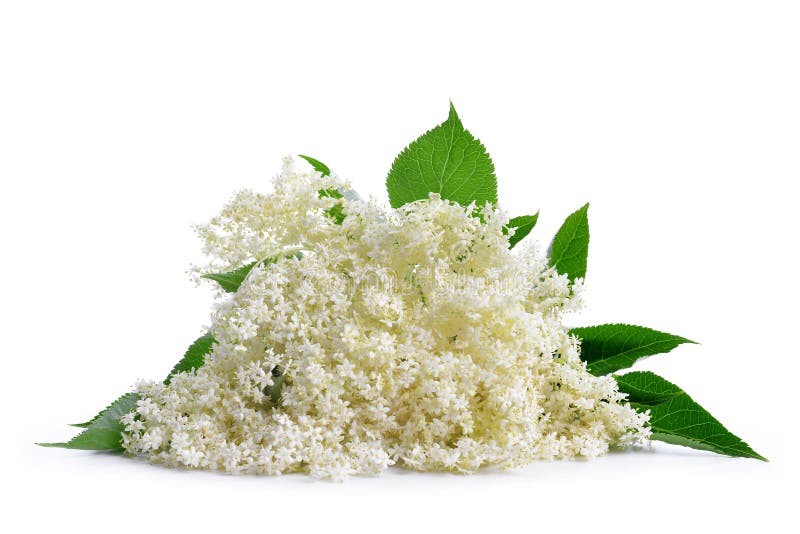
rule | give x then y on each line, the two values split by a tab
87	424
570	247
331	193
104	431
523	226
274	391
195	356
336	213
676	418
231	281
317	164
610	347
646	388
447	160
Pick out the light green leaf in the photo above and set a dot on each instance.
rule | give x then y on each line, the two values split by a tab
104	432
523	226
676	418
195	356
317	164
570	247
447	160
610	347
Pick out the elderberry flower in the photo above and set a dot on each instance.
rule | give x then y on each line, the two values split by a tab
411	337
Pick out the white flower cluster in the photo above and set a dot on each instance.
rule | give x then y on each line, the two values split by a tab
410	337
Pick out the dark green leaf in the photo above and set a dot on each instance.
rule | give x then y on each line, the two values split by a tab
610	347
195	356
676	418
523	226
570	247
317	164
447	160
104	431
274	391
646	388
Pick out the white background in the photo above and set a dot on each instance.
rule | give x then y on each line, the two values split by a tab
121	124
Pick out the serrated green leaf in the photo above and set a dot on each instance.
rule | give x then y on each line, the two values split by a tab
676	418
447	160
195	356
231	280
569	250
104	431
610	347
317	164
87	424
523	226
646	388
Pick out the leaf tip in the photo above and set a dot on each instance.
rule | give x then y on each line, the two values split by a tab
318	166
452	114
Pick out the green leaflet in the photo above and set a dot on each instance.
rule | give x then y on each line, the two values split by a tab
447	160
104	432
523	226
195	356
231	280
610	347
570	247
317	164
332	193
676	418
646	388
337	211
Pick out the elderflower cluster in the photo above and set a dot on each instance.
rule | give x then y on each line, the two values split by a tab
410	337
